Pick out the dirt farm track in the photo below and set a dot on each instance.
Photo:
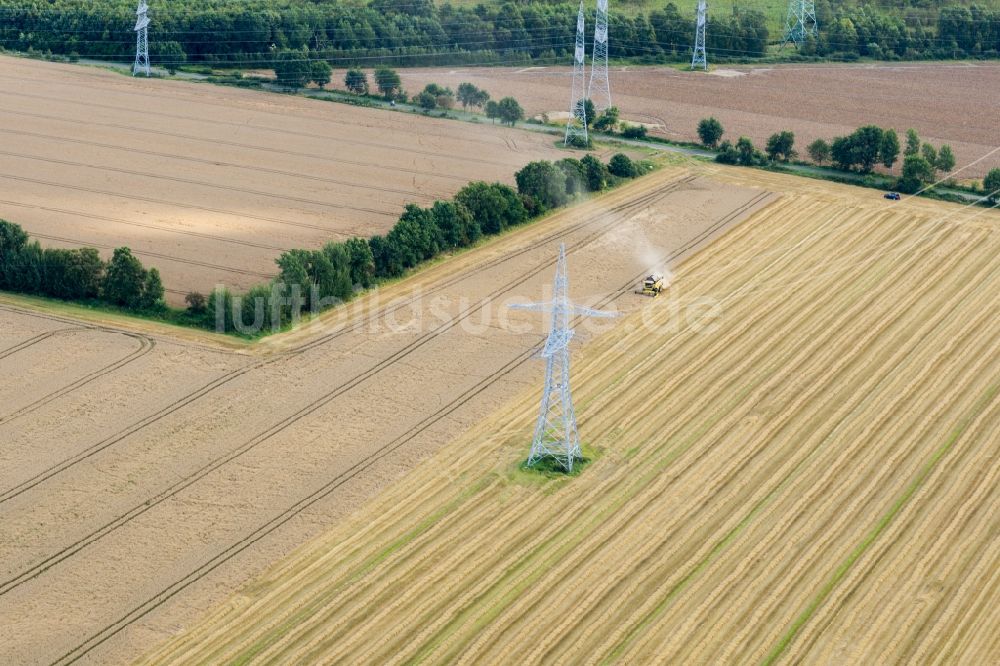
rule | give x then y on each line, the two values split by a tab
814	479
211	184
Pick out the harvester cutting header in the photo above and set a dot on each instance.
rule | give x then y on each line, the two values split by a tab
653	285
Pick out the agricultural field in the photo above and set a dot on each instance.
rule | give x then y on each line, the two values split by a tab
145	477
810	475
814	101
211	184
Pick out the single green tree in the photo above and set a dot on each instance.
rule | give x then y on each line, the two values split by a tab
493	111
842	153
152	291
171	55
991	185
458	228
468	95
590	112
819	151
510	111
888	152
622	166
781	146
362	262
912	143
356	81
426	101
866	146
320	72
929	153
727	153
330	271
746	151
197	303
493	206
607	121
945	159
596	174
481	98
635	132
710	132
292	68
917	171
124	280
544	183
388	82
575	175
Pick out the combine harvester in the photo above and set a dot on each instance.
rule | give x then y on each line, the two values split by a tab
653	285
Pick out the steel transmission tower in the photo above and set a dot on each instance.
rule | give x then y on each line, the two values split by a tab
556	436
700	58
599	90
141	39
577	125
801	22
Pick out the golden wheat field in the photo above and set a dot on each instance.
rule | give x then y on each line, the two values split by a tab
810	476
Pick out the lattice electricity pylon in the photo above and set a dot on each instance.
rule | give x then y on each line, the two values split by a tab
141	39
556	435
700	58
599	90
801	22
577	125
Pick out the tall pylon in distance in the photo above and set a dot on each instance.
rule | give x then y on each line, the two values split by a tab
141	39
801	22
556	434
599	90
700	58
576	128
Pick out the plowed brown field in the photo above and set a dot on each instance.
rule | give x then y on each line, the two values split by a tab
814	101
211	184
814	479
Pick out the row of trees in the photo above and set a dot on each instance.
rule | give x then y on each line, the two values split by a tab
251	33
871	146
862	150
950	32
434	96
546	185
312	280
76	275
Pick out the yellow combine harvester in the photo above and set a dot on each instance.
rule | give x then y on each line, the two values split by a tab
652	285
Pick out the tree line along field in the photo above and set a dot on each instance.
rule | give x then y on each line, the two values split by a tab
810	479
210	185
817	101
254	33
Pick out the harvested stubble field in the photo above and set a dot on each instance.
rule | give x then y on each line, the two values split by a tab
814	101
145	478
813	479
210	184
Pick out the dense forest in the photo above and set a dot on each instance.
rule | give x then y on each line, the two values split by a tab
251	33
